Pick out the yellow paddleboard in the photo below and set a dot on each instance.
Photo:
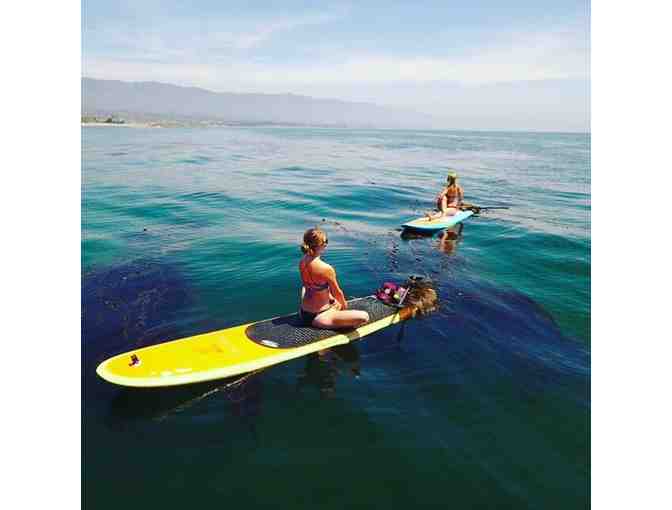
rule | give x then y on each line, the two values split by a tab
239	349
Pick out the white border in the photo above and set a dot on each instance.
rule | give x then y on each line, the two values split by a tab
41	255
630	260
630	416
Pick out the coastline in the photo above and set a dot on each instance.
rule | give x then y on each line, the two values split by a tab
125	124
205	124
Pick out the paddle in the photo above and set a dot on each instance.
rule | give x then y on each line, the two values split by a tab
477	209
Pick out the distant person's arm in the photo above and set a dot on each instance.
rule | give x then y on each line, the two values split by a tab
444	204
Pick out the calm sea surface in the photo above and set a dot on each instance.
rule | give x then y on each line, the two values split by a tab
484	404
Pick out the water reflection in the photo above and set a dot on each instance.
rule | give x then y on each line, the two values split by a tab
447	239
241	396
322	369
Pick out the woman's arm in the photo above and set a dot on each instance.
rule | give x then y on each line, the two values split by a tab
334	288
444	204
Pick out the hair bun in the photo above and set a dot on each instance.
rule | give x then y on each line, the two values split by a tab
313	238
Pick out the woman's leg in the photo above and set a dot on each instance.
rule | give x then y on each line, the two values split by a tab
450	211
335	319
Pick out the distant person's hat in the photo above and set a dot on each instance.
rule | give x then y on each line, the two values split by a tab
452	175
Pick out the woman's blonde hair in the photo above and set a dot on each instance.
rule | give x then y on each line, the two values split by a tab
313	238
421	298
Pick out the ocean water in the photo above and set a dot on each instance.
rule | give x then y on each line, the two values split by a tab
484	404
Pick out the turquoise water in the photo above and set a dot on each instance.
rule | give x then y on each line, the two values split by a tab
483	404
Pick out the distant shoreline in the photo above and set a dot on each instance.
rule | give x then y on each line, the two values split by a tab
206	125
124	124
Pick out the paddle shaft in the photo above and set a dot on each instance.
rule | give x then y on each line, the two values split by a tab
476	209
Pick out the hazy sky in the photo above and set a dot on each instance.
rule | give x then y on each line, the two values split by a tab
477	64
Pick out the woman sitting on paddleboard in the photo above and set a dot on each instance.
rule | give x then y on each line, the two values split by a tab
323	304
450	199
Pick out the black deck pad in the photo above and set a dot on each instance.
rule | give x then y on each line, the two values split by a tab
288	331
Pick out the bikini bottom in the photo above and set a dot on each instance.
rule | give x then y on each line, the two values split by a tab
307	317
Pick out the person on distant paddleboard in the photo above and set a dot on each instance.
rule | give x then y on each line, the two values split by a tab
450	199
323	305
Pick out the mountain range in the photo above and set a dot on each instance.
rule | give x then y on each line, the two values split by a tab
147	100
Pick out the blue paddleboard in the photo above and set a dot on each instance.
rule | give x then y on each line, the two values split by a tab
425	225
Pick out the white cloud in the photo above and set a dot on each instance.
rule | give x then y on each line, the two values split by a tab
534	57
193	39
264	32
562	54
